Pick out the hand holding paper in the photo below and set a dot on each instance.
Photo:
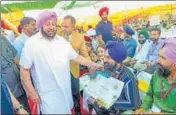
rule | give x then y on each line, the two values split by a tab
107	90
95	66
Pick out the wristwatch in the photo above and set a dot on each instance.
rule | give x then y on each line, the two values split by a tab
17	109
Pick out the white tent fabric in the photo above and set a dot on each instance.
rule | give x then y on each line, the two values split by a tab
93	9
114	6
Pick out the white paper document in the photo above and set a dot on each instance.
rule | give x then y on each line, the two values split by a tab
84	81
107	90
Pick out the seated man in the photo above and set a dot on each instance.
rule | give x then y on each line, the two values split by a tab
149	63
142	49
153	51
129	42
129	98
161	94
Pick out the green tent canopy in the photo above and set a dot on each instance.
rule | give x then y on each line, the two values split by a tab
45	4
35	5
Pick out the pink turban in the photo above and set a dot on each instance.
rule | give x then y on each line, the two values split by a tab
44	17
169	47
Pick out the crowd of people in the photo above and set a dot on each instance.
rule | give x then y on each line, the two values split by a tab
45	61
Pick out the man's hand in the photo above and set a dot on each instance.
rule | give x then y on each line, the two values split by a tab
94	66
99	103
139	111
100	39
34	97
133	62
26	80
148	64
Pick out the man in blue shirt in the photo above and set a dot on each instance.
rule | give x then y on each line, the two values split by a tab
155	46
129	42
104	28
129	98
28	26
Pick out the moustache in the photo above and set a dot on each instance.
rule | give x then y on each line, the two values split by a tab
47	35
154	39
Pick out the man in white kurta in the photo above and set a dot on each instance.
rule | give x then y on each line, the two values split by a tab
48	61
141	50
53	89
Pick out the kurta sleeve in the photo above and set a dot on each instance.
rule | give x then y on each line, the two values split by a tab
71	52
26	59
148	100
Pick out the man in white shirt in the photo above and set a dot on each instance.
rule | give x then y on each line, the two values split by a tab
47	57
141	50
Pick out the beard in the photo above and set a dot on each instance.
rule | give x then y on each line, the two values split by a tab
163	71
104	18
46	35
154	39
141	41
109	67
